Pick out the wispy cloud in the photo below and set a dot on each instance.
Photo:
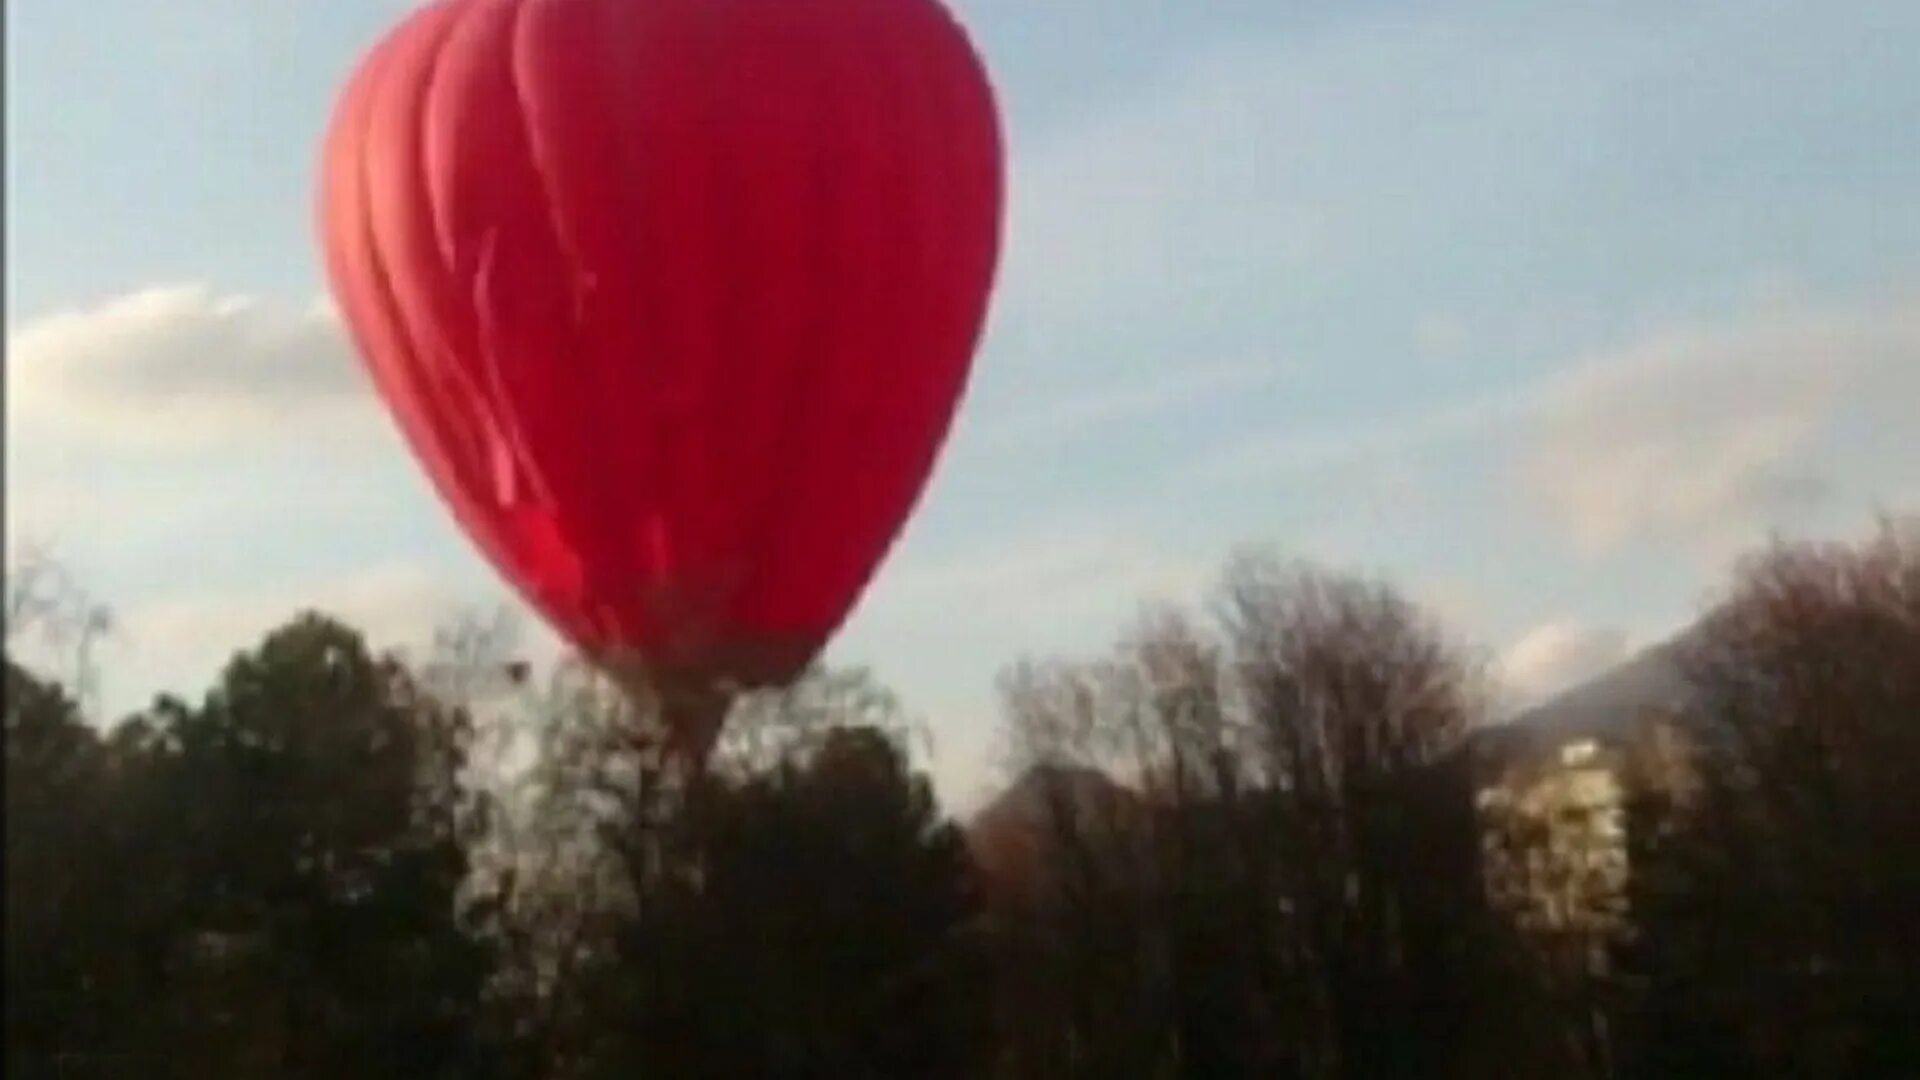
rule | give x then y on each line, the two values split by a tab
1083	410
1693	432
1327	446
1685	434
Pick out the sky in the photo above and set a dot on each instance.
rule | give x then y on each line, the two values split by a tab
1544	312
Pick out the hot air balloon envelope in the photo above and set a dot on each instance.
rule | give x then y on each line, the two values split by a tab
674	300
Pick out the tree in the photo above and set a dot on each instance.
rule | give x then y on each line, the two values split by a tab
323	797
49	614
802	908
58	943
81	946
1359	703
268	884
1779	905
1295	894
816	924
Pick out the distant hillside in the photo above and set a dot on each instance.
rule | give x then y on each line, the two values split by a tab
1606	702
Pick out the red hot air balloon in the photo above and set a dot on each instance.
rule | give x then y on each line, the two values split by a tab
674	300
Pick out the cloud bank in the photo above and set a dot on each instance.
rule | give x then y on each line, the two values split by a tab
185	367
1693	434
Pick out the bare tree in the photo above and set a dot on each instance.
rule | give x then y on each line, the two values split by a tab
1359	701
769	726
49	613
1776	909
1302	834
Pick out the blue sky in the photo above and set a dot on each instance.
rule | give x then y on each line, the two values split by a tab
1542	310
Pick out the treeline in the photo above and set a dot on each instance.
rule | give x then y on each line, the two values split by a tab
1321	860
1281	838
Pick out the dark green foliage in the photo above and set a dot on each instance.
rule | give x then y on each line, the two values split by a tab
814	921
64	958
266	884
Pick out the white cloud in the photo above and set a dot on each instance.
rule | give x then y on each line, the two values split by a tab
185	367
1694	434
1555	656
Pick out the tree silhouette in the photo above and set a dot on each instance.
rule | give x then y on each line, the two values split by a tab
1244	845
802	908
813	921
1292	886
1779	902
61	939
266	884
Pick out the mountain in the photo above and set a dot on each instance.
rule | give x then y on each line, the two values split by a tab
1606	703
